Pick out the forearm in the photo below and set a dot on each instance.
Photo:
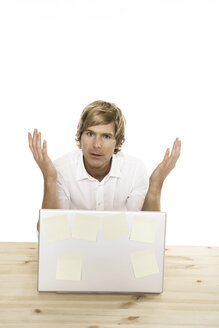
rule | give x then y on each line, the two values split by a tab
50	197
152	199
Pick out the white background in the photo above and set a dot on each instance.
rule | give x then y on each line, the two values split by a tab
157	60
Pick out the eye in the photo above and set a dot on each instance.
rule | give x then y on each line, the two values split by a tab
106	136
89	134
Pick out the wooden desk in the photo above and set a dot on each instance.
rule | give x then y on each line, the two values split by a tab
190	297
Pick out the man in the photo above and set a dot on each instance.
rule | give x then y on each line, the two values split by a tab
98	176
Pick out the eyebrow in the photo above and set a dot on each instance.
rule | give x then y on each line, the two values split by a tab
108	133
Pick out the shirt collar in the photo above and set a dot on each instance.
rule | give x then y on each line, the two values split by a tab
82	174
115	168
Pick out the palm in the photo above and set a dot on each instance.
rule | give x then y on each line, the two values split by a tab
165	167
41	157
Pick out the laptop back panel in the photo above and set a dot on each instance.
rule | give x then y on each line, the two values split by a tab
101	251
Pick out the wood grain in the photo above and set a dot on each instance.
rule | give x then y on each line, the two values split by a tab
190	297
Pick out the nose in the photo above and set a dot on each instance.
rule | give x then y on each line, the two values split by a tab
97	142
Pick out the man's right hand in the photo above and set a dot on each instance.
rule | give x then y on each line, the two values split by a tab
41	157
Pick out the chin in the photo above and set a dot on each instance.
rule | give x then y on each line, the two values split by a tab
94	161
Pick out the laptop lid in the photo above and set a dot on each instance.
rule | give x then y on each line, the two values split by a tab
101	251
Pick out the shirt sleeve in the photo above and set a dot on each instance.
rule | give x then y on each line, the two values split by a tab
63	193
139	190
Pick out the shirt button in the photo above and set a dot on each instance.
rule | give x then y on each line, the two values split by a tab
99	204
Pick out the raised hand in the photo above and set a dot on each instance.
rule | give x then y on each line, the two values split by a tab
165	167
41	157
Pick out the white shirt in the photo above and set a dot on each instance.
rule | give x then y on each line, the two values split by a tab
123	188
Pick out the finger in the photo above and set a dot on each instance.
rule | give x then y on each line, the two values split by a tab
175	153
38	146
31	145
177	143
176	148
34	136
44	150
166	156
30	140
34	144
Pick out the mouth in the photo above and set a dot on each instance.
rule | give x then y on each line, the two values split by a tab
95	155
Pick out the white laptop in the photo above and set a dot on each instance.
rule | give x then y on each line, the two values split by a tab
101	251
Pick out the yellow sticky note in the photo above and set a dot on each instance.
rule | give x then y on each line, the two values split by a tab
144	263
115	226
56	228
85	226
68	267
144	229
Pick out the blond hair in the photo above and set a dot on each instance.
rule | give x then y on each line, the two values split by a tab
102	112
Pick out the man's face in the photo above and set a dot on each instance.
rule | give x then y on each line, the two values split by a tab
98	144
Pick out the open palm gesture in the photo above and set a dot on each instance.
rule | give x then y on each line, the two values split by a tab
41	157
165	167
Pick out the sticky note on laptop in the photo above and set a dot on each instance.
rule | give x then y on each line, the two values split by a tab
144	263
115	226
143	229
68	267
56	228
85	226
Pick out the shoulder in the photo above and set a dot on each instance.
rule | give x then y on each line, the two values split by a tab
132	169
69	159
131	166
129	160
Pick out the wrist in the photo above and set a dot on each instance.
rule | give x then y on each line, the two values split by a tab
155	187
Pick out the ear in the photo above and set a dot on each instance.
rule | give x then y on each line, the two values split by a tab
116	148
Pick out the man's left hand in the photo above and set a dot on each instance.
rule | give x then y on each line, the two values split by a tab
165	167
